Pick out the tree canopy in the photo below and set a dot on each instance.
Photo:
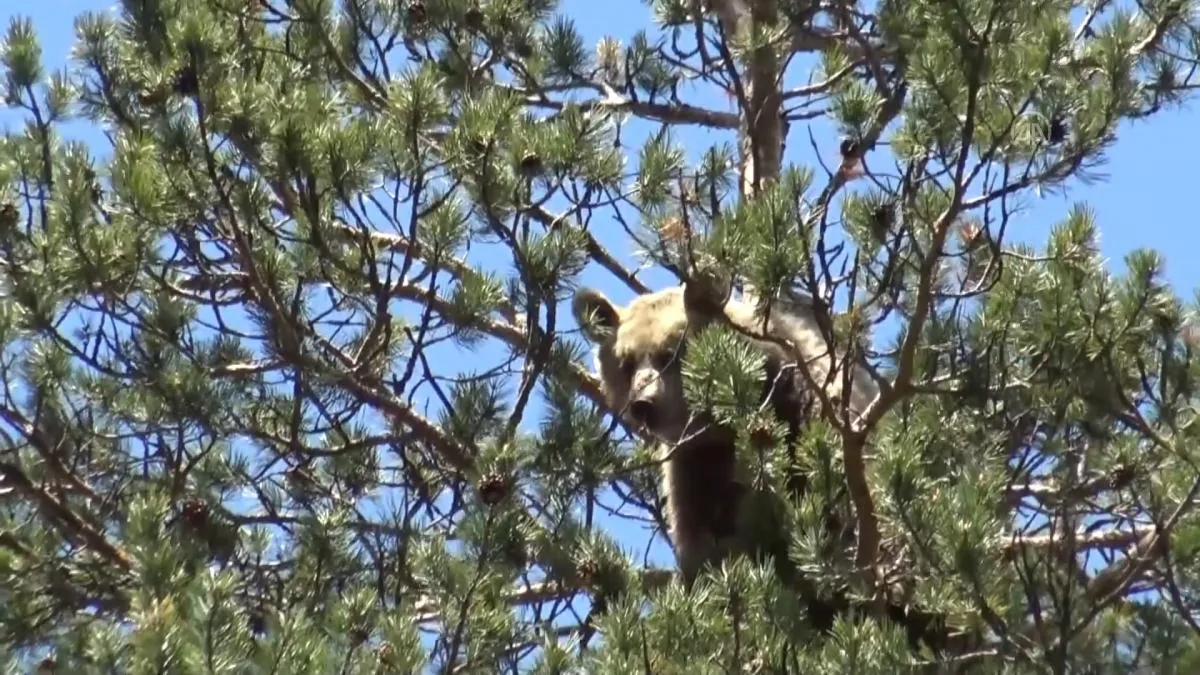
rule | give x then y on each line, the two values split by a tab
291	382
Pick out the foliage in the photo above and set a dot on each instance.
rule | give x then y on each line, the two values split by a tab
291	384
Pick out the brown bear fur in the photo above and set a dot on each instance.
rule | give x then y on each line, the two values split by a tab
639	350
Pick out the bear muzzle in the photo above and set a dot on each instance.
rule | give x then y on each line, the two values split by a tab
641	411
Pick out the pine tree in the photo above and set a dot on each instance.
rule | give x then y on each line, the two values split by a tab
291	384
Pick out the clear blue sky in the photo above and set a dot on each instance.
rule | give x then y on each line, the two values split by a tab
1145	200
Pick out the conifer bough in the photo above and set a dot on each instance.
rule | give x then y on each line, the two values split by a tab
291	383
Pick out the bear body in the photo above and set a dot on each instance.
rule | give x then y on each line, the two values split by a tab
639	352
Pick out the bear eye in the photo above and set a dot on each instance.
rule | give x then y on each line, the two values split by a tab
663	360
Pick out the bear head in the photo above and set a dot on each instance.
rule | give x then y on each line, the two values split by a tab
639	353
640	348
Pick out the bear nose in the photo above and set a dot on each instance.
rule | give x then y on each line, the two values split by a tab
642	412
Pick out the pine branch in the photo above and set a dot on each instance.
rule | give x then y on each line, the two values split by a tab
1048	492
66	520
1111	582
761	130
1084	539
596	251
377	395
395	243
667	113
650	579
511	335
47	451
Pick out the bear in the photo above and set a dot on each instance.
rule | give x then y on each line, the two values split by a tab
638	355
638	352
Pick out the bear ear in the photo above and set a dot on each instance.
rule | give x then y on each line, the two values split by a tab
707	291
595	314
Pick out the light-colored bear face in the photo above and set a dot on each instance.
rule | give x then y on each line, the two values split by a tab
640	348
639	353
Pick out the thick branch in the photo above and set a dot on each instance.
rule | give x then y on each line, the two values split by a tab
1109	583
668	113
70	524
761	129
1082	540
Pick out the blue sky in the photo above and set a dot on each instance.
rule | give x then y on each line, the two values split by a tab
1143	200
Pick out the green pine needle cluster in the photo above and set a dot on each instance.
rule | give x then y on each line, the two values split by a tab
291	383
